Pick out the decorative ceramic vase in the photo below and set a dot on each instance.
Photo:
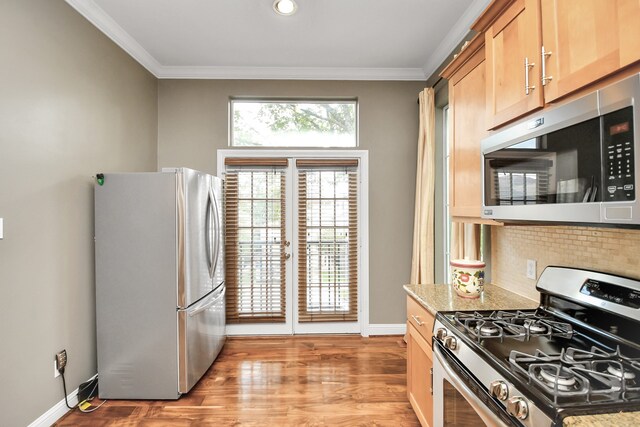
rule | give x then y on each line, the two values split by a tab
467	277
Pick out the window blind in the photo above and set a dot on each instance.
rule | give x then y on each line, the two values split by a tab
255	236
327	241
521	181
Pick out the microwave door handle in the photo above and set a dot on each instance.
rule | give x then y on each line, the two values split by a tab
483	412
594	192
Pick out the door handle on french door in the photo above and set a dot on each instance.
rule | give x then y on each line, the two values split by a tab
287	256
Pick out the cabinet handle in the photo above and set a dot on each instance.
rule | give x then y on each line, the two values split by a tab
431	373
545	78
527	66
417	319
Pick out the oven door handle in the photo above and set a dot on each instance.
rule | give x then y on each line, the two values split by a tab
483	412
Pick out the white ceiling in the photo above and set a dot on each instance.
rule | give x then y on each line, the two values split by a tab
325	39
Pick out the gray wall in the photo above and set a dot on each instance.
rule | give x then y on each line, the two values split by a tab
71	104
193	124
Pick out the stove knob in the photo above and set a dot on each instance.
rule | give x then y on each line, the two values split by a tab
441	333
499	389
450	342
518	407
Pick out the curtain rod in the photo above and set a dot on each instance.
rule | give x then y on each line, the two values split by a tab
432	87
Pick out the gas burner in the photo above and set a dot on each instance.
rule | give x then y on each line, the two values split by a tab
487	330
554	376
536	328
616	370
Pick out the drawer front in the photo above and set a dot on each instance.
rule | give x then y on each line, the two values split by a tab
420	318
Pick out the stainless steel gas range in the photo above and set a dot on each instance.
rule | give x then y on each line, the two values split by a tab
577	354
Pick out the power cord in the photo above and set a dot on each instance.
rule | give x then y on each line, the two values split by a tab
80	404
64	387
86	411
82	407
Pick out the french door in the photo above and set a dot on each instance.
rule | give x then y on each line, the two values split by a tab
294	251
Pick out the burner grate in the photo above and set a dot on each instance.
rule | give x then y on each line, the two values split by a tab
590	374
505	324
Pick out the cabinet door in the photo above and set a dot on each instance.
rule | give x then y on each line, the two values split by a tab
467	128
513	68
419	371
586	40
628	19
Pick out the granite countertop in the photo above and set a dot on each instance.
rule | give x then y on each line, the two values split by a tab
617	419
438	297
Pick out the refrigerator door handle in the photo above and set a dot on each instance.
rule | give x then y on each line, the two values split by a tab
207	232
211	302
216	217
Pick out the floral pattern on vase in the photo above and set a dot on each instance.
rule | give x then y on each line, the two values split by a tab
468	278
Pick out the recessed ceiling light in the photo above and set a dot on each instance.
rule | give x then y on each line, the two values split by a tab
285	7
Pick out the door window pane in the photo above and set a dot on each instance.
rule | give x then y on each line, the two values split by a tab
327	279
255	230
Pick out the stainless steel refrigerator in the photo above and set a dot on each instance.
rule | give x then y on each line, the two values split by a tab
160	292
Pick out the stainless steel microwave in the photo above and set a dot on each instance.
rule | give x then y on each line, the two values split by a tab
571	163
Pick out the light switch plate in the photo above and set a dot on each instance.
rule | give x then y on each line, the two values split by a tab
1	228
531	269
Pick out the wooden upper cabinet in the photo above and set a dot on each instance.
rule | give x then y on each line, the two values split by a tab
585	40
513	43
466	76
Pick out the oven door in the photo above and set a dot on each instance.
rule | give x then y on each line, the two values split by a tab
459	399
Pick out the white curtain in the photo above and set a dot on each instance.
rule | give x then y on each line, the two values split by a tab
422	264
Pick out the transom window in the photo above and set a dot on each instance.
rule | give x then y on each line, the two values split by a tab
293	123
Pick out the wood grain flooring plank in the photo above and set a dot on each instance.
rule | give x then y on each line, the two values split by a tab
337	380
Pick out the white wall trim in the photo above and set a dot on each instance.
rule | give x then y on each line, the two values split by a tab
101	20
454	36
387	329
58	410
291	73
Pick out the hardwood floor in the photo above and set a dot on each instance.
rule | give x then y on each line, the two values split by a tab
282	381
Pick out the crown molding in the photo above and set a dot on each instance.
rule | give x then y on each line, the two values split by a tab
101	20
457	33
291	73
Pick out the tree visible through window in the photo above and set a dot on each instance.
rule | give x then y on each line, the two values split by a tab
293	123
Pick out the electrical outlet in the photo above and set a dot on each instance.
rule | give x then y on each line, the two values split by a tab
56	373
60	361
531	269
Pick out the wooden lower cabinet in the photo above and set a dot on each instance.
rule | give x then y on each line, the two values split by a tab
419	369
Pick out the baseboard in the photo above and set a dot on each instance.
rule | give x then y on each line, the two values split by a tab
58	410
387	329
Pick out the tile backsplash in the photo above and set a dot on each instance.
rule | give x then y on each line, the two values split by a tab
609	250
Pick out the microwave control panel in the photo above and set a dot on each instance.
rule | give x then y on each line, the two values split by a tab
617	128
